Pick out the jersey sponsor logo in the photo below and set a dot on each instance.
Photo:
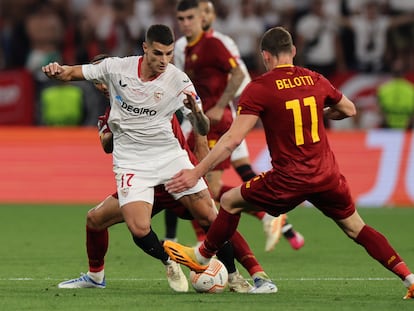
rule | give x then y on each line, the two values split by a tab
135	110
291	83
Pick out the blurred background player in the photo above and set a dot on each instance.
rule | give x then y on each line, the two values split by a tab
273	227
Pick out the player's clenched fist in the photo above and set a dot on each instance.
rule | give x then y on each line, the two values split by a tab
52	69
62	72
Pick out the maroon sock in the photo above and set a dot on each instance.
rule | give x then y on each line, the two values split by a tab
244	254
223	189
258	214
245	172
220	231
380	249
96	248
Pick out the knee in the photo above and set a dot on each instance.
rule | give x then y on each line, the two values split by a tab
206	213
226	201
139	230
93	220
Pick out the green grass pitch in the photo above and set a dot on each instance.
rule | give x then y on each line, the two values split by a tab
42	245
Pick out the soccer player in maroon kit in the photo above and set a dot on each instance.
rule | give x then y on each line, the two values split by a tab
291	102
216	76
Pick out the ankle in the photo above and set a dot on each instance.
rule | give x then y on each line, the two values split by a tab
97	276
203	256
409	280
260	275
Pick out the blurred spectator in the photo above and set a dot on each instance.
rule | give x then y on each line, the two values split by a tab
396	100
34	32
401	37
317	37
245	27
13	37
124	29
370	29
156	12
44	28
275	13
81	43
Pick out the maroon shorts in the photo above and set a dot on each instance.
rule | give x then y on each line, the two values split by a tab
265	193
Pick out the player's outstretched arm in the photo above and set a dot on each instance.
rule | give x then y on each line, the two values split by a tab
63	72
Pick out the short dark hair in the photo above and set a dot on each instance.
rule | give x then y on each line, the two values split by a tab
277	40
159	33
185	5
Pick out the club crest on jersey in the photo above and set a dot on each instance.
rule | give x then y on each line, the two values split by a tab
125	191
158	95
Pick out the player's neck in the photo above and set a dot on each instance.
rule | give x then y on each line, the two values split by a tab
283	61
195	38
145	72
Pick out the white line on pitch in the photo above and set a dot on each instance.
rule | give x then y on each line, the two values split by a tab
275	279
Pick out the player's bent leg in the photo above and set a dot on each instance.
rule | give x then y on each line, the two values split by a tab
99	218
137	215
201	207
378	247
214	181
105	214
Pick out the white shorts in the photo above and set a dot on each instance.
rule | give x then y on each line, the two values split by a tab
240	152
137	183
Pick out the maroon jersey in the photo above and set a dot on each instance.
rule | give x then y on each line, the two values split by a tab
289	101
208	64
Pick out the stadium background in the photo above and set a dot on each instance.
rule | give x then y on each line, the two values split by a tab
66	165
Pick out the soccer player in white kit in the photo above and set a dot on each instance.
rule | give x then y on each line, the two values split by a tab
145	91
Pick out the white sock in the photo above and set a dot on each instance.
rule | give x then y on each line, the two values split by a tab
200	258
98	277
286	228
409	280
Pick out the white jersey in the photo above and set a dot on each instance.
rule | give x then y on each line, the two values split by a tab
141	112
